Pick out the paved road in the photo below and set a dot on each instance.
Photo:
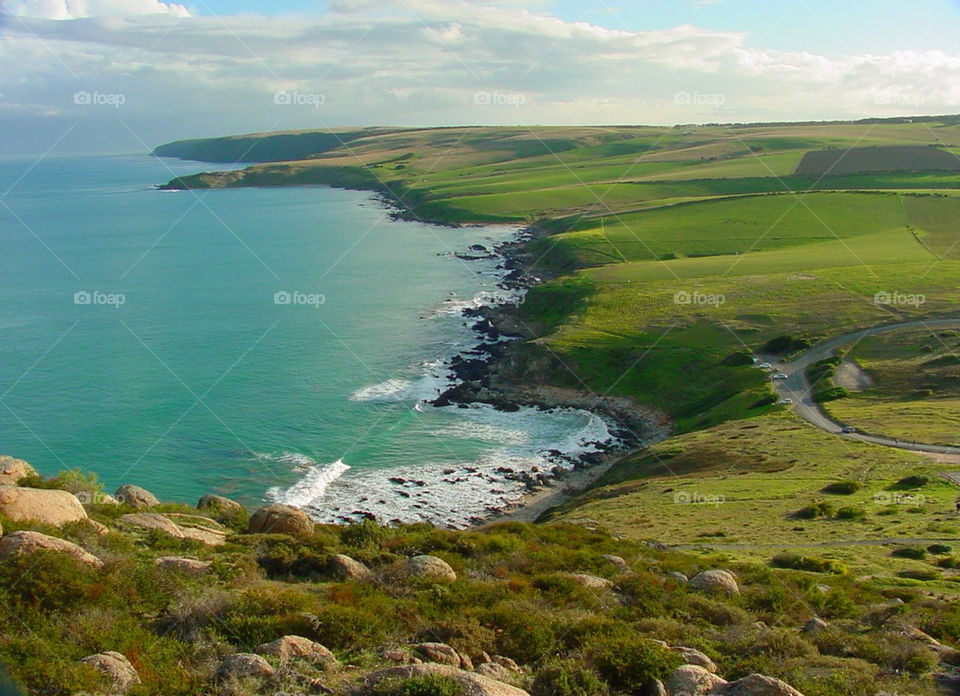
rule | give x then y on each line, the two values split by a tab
797	387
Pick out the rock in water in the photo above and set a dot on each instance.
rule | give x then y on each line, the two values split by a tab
136	497
280	519
12	470
51	507
117	668
430	567
19	543
718	581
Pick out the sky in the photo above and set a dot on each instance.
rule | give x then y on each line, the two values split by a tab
119	76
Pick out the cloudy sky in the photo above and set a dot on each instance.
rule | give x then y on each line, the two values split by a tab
126	75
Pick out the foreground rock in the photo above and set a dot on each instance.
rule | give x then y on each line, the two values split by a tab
12	470
343	567
757	685
280	519
117	667
51	507
473	684
443	654
430	567
716	581
188	566
290	647
20	543
153	521
136	497
692	680
243	666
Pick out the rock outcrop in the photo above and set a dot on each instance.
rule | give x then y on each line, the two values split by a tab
24	542
189	566
154	521
242	666
280	519
117	668
693	680
51	507
716	581
290	647
429	567
13	469
343	567
473	684
136	497
757	685
591	582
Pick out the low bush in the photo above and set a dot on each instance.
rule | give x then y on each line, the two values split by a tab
842	488
915	552
429	685
796	561
851	513
567	678
820	509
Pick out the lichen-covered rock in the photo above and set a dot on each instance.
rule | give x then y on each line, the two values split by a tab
473	684
815	625
290	647
345	568
243	666
692	656
217	505
189	566
441	653
430	567
716	581
20	543
692	680
117	668
12	470
591	582
280	519
757	685
616	561
51	507
136	497
495	671
160	523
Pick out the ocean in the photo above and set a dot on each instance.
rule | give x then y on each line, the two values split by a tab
263	344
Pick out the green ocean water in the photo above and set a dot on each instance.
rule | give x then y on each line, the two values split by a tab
148	337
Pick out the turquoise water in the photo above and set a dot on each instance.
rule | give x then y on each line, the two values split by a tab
184	375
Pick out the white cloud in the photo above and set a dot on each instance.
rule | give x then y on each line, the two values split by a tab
75	9
423	66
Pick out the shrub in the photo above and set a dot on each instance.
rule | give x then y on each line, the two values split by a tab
819	509
829	394
629	661
842	488
567	678
939	549
951	562
919	574
851	513
765	400
428	685
739	358
796	561
908	482
915	552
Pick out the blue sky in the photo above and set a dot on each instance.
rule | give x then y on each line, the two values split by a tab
158	70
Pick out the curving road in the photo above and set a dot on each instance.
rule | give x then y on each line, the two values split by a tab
797	386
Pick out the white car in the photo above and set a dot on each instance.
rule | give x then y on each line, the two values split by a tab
785	402
765	366
781	375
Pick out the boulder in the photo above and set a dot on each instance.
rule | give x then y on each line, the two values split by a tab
692	680
591	582
290	647
616	561
12	470
188	566
678	576
345	568
429	567
280	519
218	505
757	685
507	663
716	581
117	667
242	666
656	688
19	543
495	671
442	654
151	520
692	656
136	497
51	507
815	625
473	684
